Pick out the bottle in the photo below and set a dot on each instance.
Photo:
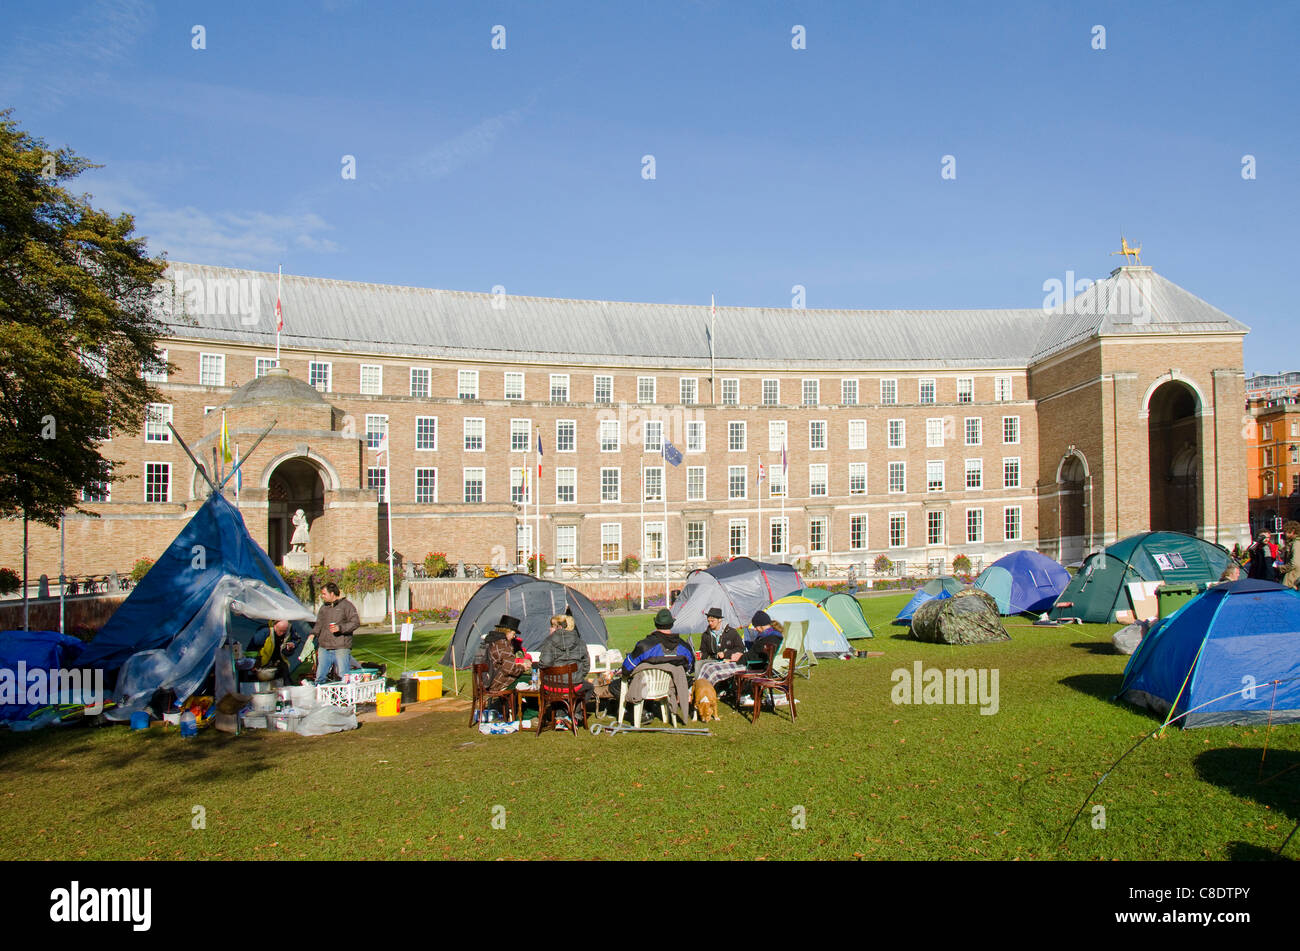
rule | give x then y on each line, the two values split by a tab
189	725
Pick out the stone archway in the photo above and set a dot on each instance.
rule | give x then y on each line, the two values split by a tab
294	484
1173	433
1071	483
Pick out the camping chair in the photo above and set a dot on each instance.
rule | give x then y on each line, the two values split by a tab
761	685
559	689
483	696
658	683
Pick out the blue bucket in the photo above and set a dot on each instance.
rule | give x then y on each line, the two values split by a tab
140	720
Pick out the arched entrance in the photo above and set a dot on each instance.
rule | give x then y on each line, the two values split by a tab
1071	485
295	484
1173	432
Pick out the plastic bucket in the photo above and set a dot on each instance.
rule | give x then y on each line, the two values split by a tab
409	688
430	682
388	704
140	720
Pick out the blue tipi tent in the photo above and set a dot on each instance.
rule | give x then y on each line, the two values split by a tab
1023	582
1219	654
942	587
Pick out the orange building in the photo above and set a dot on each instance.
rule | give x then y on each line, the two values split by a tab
1273	462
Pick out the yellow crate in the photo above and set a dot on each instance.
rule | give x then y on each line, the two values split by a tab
388	704
430	685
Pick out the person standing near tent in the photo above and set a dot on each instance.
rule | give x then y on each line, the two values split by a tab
1291	554
1263	556
665	650
336	621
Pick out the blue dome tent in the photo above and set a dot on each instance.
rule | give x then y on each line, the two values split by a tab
942	587
1023	582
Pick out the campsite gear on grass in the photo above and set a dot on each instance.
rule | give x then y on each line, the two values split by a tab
262	702
140	720
945	586
738	588
1023	582
1101	586
302	697
1127	638
429	685
46	651
757	686
232	703
499	727
287	720
254	721
966	618
1171	597
1230	656
388	704
408	685
326	718
189	725
612	729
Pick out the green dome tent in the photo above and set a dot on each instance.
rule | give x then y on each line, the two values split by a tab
833	619
1098	590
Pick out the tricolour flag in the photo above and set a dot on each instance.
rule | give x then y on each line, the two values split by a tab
279	312
539	453
383	445
761	472
672	453
784	464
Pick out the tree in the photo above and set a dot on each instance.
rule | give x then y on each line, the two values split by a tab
78	320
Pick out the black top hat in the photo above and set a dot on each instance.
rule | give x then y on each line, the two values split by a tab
713	612
509	623
664	619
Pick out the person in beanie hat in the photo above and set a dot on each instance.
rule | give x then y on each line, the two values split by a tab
763	631
499	648
665	650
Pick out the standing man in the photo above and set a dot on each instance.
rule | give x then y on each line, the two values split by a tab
335	623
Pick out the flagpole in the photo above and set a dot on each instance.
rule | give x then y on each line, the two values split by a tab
63	578
279	313
785	490
388	491
713	374
537	507
644	553
665	540
760	513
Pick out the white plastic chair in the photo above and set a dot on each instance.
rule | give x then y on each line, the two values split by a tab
599	661
657	684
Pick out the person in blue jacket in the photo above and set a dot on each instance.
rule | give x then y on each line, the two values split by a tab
662	648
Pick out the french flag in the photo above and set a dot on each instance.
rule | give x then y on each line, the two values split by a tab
539	453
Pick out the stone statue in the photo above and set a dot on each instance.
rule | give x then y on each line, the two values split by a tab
300	533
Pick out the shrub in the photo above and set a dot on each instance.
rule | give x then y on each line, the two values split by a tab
961	565
436	565
429	616
362	577
882	564
9	581
716	560
141	568
299	583
631	565
532	563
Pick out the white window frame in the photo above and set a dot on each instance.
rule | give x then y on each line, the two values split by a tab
934	432
688	386
156	418
465	479
507	378
825	525
743	525
376	430
902	434
432	448
220	360
933	384
1003	389
692	472
467	384
847	383
889	392
930	517
743	471
611	534
978	434
775	442
975	536
262	365
1005	440
518	426
654	483
862	519
653	436
595	388
1019	473
566	544
816	470
897	516
166	469
857	435
482	436
560	384
573	436
617	484
373	388
815	427
732	383
150	370
697	548
860	468
566	477
418	470
1020	523
642	383
737	427
415	374
931	467
695	426
816	387
966	387
609	426
901	468
775	386
313	366
975	467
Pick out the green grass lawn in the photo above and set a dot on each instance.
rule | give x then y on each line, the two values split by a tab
856	776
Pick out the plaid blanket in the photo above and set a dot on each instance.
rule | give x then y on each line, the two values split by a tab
716	671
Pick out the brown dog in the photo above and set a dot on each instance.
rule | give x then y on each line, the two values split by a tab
705	699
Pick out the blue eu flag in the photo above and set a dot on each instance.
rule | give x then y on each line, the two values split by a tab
672	453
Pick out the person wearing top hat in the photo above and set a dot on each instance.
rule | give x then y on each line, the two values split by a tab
720	641
500	648
664	650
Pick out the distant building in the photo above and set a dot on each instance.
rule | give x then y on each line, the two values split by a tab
917	434
1272	386
1273	462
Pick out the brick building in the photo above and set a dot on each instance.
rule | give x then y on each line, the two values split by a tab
918	434
1273	463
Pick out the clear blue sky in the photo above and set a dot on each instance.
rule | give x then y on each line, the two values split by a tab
774	166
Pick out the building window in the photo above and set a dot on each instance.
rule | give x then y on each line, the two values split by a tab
817	479
897	529
816	434
811	392
566	435
566	485
1011	473
888	392
467	384
738	530
926	390
603	390
609	441
426	432
420	378
376	429
934	433
965	389
897	434
974	526
377	481
654	436
849	392
157	481
731	392
1268	455
857	478
974	473
736	436
690	390
520	489
1012	519
695	435
514	385
771	392
857	435
156	418
653	543
974	431
934	528
857	532
611	542
212	369
566	544
474	434
155	370
1002	388
776	483
817	534
654	483
695	483
610	482
695	539
263	365
645	389
521	431
1010	430
473	485
775	435
559	387
318	375
97	492
737	482
372	378
934	476
426	485
898	477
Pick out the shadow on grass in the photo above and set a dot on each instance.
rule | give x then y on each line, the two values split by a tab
1274	784
1101	686
1096	647
1249	852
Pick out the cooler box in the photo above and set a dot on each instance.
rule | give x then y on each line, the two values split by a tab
388	704
1173	596
430	685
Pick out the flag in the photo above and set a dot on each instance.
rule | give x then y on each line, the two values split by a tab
279	312
760	473
224	445
784	464
539	453
383	445
672	453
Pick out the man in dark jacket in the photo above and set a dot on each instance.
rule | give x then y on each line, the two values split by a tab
665	650
720	642
763	632
336	621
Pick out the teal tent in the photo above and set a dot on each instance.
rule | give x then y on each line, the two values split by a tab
833	619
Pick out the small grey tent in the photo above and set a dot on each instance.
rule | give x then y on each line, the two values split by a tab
739	587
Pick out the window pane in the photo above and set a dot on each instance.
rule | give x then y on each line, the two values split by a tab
514	385
731	392
467	384
771	392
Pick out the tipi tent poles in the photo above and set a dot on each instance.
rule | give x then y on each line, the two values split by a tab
251	450
197	465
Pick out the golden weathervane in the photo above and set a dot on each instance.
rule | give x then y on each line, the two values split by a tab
1125	250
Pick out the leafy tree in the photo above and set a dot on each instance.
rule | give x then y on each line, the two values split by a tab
78	320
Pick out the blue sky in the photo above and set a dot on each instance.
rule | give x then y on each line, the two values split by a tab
774	166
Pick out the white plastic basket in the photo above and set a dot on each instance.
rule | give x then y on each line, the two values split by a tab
345	695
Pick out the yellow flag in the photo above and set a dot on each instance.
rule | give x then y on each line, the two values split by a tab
224	446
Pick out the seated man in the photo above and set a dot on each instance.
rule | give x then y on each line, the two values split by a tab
724	648
763	632
663	649
565	646
504	668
